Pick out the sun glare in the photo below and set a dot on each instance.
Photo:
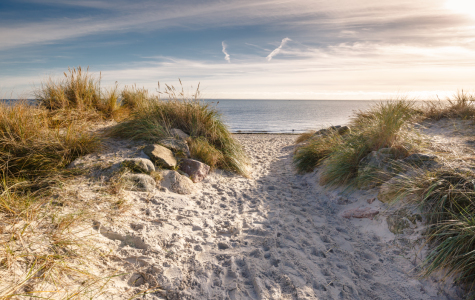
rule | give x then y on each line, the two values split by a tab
462	6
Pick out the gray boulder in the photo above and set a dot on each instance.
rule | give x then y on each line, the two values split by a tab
196	169
380	166
140	165
160	156
178	133
341	130
177	146
177	183
139	182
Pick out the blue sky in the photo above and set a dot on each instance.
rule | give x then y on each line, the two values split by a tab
300	49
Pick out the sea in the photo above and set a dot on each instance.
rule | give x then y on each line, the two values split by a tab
286	116
282	116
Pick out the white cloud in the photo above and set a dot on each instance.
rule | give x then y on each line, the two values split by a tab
277	50
226	55
345	71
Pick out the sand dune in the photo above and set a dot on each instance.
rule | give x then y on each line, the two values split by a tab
278	235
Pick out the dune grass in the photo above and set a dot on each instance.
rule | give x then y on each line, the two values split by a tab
78	96
447	198
31	146
44	240
210	139
311	155
304	136
385	125
461	105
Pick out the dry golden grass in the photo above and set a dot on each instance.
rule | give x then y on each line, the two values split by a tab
462	106
304	136
46	244
46	247
30	145
153	120
78	96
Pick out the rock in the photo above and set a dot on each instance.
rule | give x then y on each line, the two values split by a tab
401	220
177	146
343	130
140	165
177	183
160	156
372	163
139	182
360	213
223	245
136	280
178	133
196	169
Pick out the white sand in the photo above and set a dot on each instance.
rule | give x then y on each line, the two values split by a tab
278	235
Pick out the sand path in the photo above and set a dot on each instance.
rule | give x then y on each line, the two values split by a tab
296	246
276	236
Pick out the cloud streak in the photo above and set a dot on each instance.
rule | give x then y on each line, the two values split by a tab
226	55
277	50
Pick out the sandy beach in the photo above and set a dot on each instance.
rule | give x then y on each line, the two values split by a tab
276	235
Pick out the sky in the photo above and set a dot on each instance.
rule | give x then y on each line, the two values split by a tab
245	49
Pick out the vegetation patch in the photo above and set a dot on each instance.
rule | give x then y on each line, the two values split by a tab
210	139
461	106
386	125
30	145
445	194
447	198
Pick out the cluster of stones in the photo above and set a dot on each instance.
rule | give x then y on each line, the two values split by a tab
168	155
341	130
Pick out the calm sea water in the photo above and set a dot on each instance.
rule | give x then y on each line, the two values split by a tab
282	116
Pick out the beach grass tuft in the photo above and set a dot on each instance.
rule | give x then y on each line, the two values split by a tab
446	196
304	136
312	154
385	125
210	139
461	105
30	145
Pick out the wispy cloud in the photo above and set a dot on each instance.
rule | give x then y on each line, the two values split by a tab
226	55
277	50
